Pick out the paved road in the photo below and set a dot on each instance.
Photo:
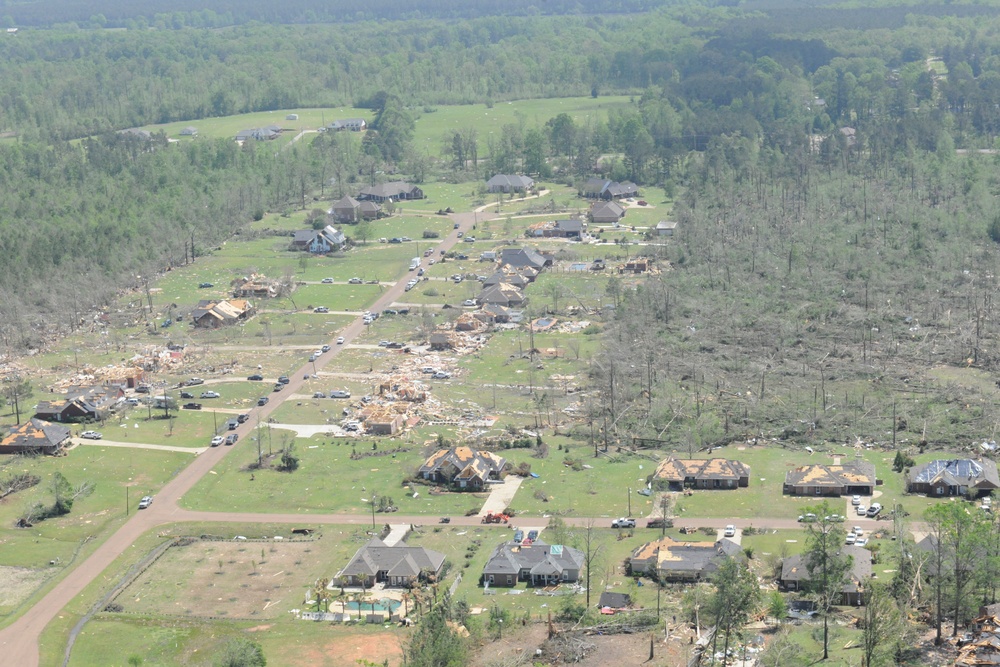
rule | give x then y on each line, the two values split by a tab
19	641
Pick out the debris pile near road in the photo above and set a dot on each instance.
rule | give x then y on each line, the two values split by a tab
400	388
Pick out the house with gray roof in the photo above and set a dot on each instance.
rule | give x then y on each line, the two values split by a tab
396	565
258	134
854	477
600	188
394	191
519	257
605	212
501	294
795	575
538	564
318	241
82	404
510	183
954	477
349	124
35	436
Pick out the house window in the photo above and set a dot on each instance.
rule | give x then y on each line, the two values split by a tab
565	575
491	578
940	490
510	580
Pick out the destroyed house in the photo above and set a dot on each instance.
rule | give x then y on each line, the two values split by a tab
539	564
676	474
672	560
396	565
954	477
214	313
82	404
855	478
462	467
35	436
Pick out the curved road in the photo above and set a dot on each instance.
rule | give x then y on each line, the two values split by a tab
19	641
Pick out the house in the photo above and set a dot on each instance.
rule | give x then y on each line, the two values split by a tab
259	134
610	600
497	312
599	188
855	478
189	131
671	560
370	210
82	404
676	474
795	575
318	241
257	285
346	210
955	477
568	229
396	565
635	265
350	124
520	257
292	116
214	313
509	276
35	436
379	420
508	184
607	212
440	340
501	294
395	191
665	227
462	467
539	564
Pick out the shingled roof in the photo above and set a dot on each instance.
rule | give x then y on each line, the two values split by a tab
675	470
35	435
399	560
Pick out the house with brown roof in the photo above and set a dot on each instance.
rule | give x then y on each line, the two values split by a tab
795	575
676	474
501	294
954	477
214	313
396	565
35	437
462	467
510	183
346	210
259	286
854	478
674	560
601	188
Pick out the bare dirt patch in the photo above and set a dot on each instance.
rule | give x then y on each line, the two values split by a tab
17	583
239	579
374	647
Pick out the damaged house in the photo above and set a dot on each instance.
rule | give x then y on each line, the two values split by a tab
462	467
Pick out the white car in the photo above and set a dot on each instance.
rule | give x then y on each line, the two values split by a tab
340	393
441	375
340	340
858	531
861	510
354	281
623	523
210	394
91	435
861	541
730	531
145	502
217	440
851	538
469	302
856	500
327	281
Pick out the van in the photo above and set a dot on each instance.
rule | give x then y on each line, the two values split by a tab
488	256
414	263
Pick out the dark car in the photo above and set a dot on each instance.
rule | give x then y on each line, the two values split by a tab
278	387
262	400
243	417
232	424
205	285
256	377
192	406
284	379
187	394
404	311
232	438
395	240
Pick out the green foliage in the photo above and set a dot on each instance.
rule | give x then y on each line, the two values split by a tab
736	599
777	607
289	461
571	610
63	493
240	652
902	461
434	644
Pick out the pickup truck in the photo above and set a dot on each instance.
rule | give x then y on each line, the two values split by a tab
623	523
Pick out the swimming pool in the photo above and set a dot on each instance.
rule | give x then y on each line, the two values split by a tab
543	322
580	266
385	604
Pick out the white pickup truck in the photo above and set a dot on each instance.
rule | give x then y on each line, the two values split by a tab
623	523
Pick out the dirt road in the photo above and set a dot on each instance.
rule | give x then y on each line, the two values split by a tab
19	641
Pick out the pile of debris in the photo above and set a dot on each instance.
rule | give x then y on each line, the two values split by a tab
981	646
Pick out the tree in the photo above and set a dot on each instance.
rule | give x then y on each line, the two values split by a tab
240	652
827	564
16	390
777	608
289	461
363	232
434	644
736	598
959	536
591	550
882	623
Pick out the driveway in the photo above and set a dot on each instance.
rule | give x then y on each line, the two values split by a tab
137	445
501	495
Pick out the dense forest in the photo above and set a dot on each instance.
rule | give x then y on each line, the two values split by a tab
717	90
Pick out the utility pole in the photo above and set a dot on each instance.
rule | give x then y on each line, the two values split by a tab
630	501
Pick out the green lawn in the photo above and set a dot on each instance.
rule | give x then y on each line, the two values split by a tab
228	126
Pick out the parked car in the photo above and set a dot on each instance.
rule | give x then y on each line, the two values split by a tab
232	424
321	309
145	502
623	523
318	394
532	535
132	401
855	500
91	435
441	375
861	541
205	285
730	531
456	226
278	387
210	394
217	440
393	345
327	281
851	538
325	348
807	518
232	438
355	281
187	394
142	389
283	379
340	340
256	377
243	418
874	510
194	381
262	400
861	509
383	343
340	393
518	535
469	239
192	406
469	302
461	234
